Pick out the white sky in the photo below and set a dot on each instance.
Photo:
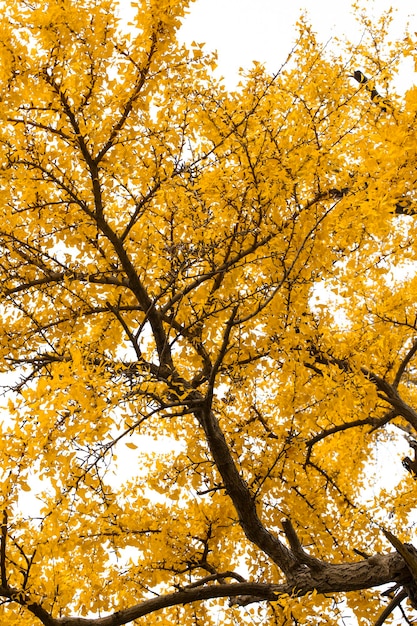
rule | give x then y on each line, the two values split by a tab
263	30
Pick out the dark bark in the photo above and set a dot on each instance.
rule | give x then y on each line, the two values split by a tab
328	578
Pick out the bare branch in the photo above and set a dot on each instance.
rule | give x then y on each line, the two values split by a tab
262	591
297	549
396	600
403	365
3	573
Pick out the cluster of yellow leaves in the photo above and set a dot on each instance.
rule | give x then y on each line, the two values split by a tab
144	209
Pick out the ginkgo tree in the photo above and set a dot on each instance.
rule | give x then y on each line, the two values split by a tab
208	326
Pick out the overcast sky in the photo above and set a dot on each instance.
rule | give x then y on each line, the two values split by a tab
263	30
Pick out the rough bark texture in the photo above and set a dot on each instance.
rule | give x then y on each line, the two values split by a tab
329	578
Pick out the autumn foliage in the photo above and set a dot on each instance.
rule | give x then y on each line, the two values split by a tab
208	326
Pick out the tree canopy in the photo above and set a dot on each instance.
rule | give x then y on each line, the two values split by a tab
208	326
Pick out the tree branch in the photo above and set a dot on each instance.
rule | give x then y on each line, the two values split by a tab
388	391
391	606
3	574
241	496
130	102
261	591
403	365
297	549
375	571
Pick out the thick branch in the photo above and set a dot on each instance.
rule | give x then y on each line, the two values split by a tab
20	597
388	391
298	551
403	365
261	591
242	498
331	578
3	550
391	395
